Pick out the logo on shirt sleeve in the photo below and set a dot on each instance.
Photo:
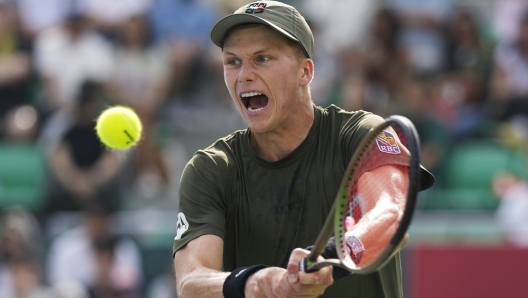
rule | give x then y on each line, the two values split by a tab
181	226
387	143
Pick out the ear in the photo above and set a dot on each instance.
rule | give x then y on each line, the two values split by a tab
306	72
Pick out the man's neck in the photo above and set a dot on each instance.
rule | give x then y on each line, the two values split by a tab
276	146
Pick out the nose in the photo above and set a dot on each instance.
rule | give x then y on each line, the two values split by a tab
246	73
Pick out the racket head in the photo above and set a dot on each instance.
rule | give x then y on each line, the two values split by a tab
394	142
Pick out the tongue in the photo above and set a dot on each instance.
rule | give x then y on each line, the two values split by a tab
258	101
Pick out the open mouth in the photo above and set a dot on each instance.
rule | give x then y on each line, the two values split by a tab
254	101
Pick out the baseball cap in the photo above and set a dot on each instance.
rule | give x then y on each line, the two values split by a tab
279	16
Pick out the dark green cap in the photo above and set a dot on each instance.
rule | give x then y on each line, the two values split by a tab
279	16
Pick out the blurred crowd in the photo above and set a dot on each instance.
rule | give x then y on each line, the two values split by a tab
458	71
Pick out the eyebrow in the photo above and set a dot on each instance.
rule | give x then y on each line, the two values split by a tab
255	53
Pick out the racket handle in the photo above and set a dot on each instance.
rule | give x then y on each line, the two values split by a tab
308	266
304	265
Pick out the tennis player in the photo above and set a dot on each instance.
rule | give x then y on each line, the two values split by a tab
252	200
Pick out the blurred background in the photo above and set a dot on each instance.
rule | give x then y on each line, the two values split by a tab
77	220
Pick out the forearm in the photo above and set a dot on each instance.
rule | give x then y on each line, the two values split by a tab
380	220
375	230
198	266
201	282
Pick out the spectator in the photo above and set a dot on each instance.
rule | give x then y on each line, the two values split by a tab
416	100
110	282
79	254
140	81
387	63
422	32
507	14
21	249
351	88
82	169
38	15
512	213
509	88
374	73
466	49
184	26
108	16
463	86
15	68
68	55
342	24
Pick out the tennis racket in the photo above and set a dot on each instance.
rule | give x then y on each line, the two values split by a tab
375	202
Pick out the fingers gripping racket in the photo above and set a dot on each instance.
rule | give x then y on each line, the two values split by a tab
375	202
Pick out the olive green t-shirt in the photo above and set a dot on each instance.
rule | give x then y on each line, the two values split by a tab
263	210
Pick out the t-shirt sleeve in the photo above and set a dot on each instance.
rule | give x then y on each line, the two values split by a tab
355	131
202	209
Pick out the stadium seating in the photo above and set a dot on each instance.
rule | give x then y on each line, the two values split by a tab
21	176
468	175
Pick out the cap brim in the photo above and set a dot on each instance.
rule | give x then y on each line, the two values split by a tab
427	179
223	26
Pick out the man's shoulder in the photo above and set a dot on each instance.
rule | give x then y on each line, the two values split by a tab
335	110
226	144
337	113
222	149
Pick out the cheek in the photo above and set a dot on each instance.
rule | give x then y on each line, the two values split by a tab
230	81
285	85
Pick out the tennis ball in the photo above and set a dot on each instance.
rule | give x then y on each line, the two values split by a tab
119	127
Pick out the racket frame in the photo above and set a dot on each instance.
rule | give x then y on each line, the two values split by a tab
335	225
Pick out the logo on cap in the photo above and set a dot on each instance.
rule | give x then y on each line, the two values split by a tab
387	143
256	7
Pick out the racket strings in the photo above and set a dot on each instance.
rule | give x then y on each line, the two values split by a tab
357	206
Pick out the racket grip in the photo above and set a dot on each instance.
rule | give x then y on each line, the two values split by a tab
303	266
308	266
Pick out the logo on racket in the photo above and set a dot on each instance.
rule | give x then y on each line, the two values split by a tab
387	143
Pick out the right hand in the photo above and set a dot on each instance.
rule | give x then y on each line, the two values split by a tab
275	282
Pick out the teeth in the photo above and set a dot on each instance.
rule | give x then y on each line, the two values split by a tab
249	94
255	110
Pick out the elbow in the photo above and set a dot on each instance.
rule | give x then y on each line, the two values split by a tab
180	287
180	284
178	281
184	285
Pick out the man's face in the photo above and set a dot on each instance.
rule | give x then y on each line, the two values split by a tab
264	77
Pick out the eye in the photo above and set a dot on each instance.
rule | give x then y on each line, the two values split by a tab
262	58
232	61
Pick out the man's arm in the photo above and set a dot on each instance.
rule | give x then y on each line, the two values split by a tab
197	267
198	274
385	189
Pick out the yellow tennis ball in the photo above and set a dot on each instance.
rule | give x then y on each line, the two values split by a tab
119	127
